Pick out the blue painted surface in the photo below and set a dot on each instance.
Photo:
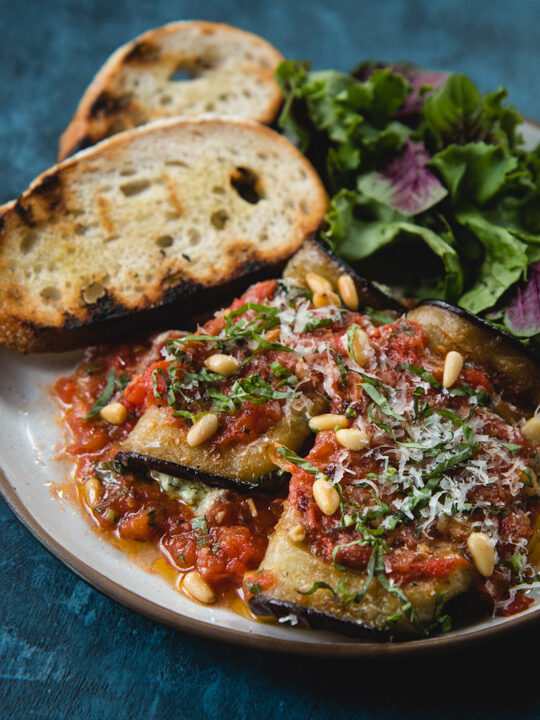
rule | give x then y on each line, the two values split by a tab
65	650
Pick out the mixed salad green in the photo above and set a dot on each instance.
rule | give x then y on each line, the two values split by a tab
433	193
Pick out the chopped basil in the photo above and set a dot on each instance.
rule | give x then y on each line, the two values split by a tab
320	585
512	448
254	588
104	397
303	464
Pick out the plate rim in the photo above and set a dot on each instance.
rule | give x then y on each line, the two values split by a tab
176	620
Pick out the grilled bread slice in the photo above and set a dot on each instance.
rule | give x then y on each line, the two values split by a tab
182	69
162	218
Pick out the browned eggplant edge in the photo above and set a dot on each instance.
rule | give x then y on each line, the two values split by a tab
373	296
484	325
264	606
271	484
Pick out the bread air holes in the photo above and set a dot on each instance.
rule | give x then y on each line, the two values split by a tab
135	187
164	241
182	74
219	219
51	294
27	243
247	184
93	292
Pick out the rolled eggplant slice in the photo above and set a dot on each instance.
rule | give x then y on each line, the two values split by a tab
516	376
290	569
314	257
158	437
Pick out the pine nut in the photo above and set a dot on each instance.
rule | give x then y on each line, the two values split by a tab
297	533
326	496
531	430
219	516
318	284
203	429
352	438
328	421
273	334
92	492
114	413
347	290
483	552
360	347
225	365
327	298
198	588
252	507
453	363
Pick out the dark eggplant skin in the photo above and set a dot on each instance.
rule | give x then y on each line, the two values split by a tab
514	374
272	484
265	606
315	256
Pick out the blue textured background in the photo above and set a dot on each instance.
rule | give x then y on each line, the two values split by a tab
65	650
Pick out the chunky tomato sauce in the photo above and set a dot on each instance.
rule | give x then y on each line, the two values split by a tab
476	467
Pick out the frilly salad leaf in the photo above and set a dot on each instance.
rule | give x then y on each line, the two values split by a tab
356	239
475	172
458	113
505	261
422	82
405	184
522	318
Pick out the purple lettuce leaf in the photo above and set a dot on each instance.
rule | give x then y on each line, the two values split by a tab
523	314
418	77
405	184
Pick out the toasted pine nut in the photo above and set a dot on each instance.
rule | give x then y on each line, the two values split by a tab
318	284
483	552
347	290
198	588
114	413
203	429
225	365
297	533
360	347
92	492
531	430
352	438
252	507
273	334
453	364
219	516
329	421
327	298
326	496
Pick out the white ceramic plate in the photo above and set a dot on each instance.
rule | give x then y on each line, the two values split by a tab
28	477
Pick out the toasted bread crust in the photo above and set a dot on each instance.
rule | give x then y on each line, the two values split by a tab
46	226
113	102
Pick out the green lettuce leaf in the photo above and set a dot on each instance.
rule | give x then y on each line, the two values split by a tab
505	260
475	172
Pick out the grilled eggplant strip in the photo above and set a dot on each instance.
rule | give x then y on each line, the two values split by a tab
515	375
157	436
272	483
294	568
314	257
